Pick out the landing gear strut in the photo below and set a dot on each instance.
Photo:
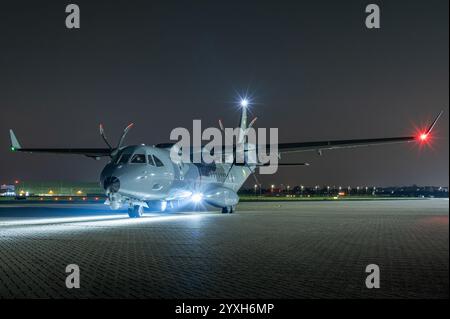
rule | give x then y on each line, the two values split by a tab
135	211
228	209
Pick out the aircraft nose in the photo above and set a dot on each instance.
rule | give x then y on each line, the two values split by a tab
112	184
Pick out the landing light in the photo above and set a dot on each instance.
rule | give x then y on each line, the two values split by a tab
197	197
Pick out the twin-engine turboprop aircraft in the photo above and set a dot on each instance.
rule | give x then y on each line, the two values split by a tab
140	176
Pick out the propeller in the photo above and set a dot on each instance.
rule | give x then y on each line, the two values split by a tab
122	138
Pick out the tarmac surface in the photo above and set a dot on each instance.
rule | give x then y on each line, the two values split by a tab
264	250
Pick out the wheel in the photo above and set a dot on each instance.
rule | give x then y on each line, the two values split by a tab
136	211
228	209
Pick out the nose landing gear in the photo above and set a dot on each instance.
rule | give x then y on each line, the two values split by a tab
135	211
228	209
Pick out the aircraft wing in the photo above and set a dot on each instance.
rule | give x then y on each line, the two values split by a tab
89	152
336	144
351	143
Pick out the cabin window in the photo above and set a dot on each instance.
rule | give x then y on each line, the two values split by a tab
138	159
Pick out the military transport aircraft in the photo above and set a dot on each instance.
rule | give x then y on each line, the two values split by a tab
143	176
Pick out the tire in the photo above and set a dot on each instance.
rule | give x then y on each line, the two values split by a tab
136	211
228	209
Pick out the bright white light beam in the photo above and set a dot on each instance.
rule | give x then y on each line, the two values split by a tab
244	102
197	197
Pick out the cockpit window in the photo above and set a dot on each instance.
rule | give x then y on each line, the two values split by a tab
150	160
158	161
138	159
124	158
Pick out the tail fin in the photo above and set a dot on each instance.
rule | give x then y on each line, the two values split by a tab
15	145
243	124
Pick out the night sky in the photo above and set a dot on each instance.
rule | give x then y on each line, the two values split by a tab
313	68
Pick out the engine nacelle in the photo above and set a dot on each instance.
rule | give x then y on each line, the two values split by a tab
221	197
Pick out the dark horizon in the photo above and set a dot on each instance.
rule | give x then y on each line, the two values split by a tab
314	70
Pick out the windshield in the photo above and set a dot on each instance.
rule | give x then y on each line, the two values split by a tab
138	159
124	158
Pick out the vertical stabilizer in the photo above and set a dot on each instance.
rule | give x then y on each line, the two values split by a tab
243	122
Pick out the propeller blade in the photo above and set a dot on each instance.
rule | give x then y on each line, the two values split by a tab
252	122
125	131
103	135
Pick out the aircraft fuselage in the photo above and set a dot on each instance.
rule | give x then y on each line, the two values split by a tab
141	174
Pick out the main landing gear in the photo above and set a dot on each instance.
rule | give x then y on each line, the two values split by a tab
135	211
228	209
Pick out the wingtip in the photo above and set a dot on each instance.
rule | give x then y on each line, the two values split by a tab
434	122
15	145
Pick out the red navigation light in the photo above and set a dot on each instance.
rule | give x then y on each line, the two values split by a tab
423	137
